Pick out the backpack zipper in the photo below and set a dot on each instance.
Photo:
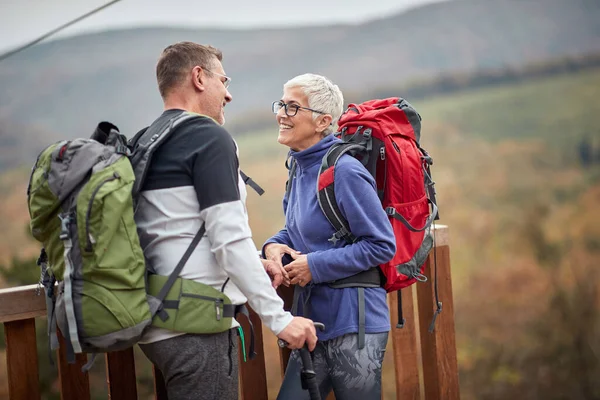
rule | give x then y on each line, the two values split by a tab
88	235
44	179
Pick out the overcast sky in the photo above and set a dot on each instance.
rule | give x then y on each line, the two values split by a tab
24	20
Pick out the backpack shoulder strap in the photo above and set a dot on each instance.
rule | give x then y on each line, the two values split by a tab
326	190
131	143
290	164
328	203
157	306
146	141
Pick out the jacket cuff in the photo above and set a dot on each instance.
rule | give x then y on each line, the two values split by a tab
313	261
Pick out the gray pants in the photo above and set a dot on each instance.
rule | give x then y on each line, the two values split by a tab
353	374
199	367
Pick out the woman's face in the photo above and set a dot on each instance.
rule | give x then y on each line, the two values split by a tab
300	131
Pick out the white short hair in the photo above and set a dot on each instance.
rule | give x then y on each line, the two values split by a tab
323	95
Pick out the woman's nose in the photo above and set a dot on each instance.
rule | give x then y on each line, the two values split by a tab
281	112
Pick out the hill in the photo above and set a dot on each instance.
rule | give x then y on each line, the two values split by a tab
521	204
62	88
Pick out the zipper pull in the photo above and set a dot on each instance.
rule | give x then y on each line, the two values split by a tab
40	284
382	153
42	262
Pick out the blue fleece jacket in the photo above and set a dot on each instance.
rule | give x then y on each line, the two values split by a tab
307	231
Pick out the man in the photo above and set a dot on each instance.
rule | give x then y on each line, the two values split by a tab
194	179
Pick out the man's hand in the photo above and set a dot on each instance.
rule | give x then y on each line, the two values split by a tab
276	272
298	270
298	332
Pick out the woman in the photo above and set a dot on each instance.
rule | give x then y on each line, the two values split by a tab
344	362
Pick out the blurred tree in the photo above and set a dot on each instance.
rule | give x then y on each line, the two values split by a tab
565	363
586	156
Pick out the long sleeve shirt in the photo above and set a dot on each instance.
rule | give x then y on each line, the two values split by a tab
307	230
194	179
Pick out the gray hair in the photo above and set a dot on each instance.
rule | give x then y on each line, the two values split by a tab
323	95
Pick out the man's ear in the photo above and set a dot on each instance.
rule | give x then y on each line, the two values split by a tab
198	78
323	122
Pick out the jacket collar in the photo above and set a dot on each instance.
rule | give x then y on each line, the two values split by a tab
314	154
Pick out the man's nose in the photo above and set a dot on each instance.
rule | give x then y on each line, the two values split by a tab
228	97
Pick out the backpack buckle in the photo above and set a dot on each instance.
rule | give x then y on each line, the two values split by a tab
65	223
342	234
122	149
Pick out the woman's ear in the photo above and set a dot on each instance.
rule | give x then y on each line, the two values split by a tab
324	122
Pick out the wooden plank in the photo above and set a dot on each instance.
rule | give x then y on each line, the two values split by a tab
442	235
160	388
287	295
404	341
253	373
120	375
22	359
74	384
440	367
21	303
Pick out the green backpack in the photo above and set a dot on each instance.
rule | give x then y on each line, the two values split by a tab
81	199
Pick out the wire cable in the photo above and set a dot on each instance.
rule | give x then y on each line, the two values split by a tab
54	31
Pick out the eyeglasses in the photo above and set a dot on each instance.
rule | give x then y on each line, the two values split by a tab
227	80
290	109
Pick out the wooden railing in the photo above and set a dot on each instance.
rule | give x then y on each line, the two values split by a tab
425	363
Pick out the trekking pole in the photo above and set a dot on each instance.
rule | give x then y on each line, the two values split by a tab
308	374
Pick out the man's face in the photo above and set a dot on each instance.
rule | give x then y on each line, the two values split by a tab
297	132
216	96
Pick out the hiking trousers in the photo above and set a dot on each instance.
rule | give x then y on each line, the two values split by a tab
198	367
353	374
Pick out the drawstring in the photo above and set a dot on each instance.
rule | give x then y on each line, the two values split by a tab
435	284
229	354
243	340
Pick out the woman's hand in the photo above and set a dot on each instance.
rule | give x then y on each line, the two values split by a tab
275	252
298	270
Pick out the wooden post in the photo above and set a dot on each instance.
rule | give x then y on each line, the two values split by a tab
160	388
74	384
287	295
440	367
404	341
120	375
253	373
22	359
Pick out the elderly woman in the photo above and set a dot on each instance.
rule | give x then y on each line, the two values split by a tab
349	354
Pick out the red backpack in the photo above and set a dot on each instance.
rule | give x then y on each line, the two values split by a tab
384	135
